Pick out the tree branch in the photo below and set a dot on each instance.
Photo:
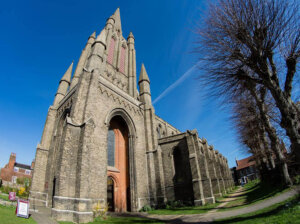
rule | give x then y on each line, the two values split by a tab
291	70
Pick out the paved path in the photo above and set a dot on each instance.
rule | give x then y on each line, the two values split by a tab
214	215
43	216
240	191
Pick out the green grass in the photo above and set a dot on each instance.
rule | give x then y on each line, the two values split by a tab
287	212
185	210
4	197
119	220
7	216
254	192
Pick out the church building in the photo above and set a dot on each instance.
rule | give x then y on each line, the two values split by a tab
103	143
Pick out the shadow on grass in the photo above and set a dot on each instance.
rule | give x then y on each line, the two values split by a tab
128	218
264	215
260	216
263	191
185	210
255	193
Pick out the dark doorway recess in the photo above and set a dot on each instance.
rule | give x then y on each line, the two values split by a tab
53	191
110	194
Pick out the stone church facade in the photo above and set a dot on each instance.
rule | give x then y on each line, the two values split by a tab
102	141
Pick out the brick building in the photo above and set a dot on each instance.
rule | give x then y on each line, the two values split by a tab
246	169
13	170
103	142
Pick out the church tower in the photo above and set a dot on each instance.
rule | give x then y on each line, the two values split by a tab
94	142
103	143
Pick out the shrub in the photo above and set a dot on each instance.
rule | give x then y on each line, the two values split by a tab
146	208
100	210
20	180
296	179
23	193
7	189
174	204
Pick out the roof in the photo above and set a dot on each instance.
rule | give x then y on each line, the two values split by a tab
244	163
23	166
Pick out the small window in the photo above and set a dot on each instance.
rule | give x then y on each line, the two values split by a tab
158	132
28	172
16	169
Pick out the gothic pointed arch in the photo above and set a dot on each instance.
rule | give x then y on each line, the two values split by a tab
120	158
127	118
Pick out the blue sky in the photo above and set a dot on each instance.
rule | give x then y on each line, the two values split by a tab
39	40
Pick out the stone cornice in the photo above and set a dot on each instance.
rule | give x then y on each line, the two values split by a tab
172	138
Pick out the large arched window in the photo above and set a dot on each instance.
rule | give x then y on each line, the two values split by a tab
111	51
111	148
122	59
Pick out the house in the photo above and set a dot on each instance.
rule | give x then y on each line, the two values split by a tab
246	169
13	170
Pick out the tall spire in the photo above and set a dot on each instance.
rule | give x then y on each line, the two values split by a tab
68	74
93	35
143	75
116	16
130	35
144	84
131	66
63	85
84	54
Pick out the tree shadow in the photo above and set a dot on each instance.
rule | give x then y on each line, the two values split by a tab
263	191
254	216
130	218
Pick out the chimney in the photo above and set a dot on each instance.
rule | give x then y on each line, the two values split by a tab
32	164
12	160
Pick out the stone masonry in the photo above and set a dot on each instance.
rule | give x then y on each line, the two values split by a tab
99	116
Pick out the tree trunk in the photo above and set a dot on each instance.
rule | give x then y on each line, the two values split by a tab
273	137
275	146
268	151
290	118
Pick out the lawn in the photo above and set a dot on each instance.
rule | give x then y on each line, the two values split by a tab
184	210
4	197
7	216
119	220
287	212
254	192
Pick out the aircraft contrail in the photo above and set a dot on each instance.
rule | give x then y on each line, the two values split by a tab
175	84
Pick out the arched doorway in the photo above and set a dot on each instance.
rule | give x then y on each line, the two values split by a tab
118	165
110	194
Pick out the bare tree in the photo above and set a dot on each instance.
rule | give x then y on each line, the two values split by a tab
259	97
251	130
252	121
254	41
